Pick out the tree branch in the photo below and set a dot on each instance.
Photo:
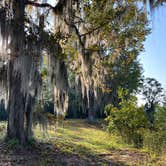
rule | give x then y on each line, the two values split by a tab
76	31
42	5
58	8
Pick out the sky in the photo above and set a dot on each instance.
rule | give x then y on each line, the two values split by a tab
154	56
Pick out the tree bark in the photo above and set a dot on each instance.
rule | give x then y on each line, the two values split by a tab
29	115
91	109
16	105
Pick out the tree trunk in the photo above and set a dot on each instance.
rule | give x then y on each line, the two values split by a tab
91	110
29	114
16	105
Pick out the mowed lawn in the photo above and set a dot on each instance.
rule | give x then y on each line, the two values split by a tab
79	143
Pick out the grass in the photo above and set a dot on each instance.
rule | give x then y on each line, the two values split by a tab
3	126
78	137
77	142
75	136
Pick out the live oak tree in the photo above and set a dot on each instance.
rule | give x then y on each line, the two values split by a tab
106	49
23	43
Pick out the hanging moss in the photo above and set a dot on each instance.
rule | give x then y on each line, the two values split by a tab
59	79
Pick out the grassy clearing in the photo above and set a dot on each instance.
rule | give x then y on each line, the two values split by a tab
80	137
76	142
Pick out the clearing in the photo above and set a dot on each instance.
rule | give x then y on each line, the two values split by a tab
73	143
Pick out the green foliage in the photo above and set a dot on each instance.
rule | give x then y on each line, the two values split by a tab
160	118
155	140
130	122
128	73
127	119
118	22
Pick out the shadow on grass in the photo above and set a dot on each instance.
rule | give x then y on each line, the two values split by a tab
48	154
60	152
72	154
80	155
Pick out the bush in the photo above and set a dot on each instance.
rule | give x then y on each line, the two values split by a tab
127	119
160	119
155	140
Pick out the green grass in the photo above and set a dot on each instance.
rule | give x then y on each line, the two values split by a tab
80	137
83	141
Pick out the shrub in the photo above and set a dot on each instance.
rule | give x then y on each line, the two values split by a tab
160	119
127	119
155	140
